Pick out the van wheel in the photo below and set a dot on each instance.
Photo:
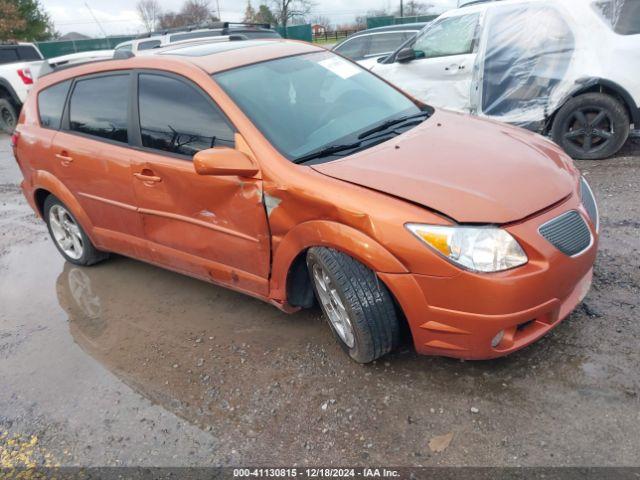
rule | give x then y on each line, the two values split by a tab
592	126
359	307
8	116
68	236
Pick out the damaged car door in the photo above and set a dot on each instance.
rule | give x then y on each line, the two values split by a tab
438	66
210	226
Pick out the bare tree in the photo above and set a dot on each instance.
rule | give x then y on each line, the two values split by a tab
321	20
287	10
196	12
149	12
249	13
413	8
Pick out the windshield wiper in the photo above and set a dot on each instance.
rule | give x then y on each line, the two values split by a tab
326	151
390	123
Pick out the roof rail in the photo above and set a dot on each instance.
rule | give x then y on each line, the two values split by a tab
468	3
9	42
211	25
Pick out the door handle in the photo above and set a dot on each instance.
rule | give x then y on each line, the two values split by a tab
147	178
64	158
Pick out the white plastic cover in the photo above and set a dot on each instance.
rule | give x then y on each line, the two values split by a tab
529	56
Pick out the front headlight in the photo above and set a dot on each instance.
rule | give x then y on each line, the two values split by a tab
481	249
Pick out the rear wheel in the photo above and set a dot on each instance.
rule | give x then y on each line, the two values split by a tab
591	126
8	116
359	308
68	236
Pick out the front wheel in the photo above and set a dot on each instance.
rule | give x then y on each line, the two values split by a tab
68	236
591	126
358	306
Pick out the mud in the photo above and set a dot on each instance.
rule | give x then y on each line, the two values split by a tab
127	364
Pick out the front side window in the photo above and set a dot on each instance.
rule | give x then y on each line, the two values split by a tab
623	16
125	48
383	43
99	106
51	103
178	118
355	49
449	36
307	102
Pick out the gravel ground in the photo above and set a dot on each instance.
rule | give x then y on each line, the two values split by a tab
127	364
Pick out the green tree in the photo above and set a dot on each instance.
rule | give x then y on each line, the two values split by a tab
265	15
37	23
10	21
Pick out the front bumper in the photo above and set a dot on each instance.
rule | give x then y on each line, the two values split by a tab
460	316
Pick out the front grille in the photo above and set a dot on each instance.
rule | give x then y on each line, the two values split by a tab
569	233
589	202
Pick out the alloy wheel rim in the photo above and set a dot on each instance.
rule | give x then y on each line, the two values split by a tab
333	306
590	129
66	232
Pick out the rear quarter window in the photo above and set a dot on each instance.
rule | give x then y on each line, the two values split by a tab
51	104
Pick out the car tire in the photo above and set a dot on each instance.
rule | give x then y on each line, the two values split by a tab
591	126
353	298
68	236
8	116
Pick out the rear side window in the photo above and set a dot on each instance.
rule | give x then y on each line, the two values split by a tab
28	53
51	103
178	118
148	45
193	35
99	105
386	42
355	48
8	55
622	15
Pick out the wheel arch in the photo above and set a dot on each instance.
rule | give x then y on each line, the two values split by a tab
7	91
290	280
45	184
599	85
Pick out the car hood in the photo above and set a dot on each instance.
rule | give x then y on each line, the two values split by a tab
469	169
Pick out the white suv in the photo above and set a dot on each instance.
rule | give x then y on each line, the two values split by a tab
19	65
567	68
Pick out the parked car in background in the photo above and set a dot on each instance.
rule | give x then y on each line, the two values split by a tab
243	31
566	68
334	184
368	46
19	65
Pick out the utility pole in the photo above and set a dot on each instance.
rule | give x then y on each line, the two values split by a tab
218	5
401	9
95	19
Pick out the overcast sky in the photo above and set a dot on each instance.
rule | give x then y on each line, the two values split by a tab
120	17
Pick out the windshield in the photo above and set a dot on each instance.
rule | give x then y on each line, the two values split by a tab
309	102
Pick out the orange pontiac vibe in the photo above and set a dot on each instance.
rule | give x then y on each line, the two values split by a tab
291	174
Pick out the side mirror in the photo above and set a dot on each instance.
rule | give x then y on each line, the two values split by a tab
223	161
406	55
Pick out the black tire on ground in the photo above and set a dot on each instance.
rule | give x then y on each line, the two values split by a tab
90	254
371	309
8	116
591	126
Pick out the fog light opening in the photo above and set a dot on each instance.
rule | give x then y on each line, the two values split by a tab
497	339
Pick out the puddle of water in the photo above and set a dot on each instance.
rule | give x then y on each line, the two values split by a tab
259	385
